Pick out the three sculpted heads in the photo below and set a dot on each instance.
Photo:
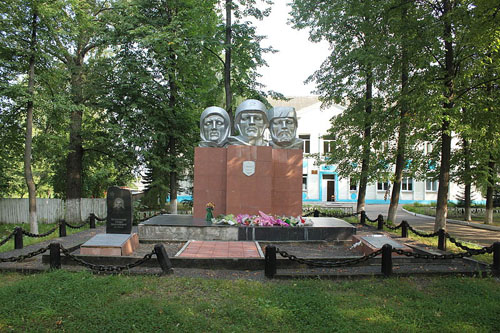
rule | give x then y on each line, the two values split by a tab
251	120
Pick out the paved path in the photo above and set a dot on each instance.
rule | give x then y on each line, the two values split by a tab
466	233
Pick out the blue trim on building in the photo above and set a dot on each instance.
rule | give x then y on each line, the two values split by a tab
321	183
181	197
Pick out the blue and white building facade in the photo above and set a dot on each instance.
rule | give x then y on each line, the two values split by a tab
322	183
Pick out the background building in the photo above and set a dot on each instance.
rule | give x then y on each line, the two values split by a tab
322	183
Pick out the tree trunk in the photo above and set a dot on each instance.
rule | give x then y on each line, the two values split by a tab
467	190
28	174
403	124
365	163
444	171
173	192
227	62
488	219
74	159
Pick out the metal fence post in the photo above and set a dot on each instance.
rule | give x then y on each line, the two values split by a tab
92	221
18	238
404	229
387	260
270	265
316	213
496	258
380	220
442	240
55	256
62	228
363	217
163	260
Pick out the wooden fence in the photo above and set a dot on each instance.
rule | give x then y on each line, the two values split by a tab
51	210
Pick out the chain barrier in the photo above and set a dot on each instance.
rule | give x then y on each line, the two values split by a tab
29	234
393	227
106	268
370	220
444	256
421	234
311	213
78	226
466	248
327	264
7	238
25	256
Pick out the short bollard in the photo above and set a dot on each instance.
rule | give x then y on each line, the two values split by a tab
363	217
380	220
18	238
92	221
316	213
404	229
270	266
496	258
55	256
62	228
163	259
387	260
442	240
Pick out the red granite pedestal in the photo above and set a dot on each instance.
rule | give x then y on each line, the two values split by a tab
275	187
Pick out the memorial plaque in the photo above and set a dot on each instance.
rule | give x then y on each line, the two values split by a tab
119	204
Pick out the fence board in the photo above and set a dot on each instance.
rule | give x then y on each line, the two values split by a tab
48	210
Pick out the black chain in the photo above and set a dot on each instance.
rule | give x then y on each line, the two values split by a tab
308	214
370	220
328	264
393	227
29	234
421	234
25	256
7	238
444	256
106	268
464	247
78	226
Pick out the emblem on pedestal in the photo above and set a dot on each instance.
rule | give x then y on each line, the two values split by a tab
249	168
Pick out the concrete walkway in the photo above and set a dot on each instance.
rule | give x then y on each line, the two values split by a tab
461	232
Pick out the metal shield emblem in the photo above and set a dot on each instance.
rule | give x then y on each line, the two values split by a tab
248	168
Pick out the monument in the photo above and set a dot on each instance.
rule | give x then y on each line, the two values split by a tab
118	239
250	174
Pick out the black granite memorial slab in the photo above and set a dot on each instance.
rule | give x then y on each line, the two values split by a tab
119	204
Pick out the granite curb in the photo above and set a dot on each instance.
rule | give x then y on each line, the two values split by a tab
467	224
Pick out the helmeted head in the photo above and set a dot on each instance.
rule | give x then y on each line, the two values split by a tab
251	119
215	125
282	124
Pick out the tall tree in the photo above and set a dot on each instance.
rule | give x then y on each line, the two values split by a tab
350	74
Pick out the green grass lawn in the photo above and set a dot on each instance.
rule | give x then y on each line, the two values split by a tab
6	229
82	302
452	214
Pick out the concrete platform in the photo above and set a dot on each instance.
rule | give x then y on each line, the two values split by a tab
110	245
185	227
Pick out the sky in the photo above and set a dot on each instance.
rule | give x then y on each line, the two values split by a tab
297	58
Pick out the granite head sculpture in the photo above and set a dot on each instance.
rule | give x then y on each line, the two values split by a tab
214	127
283	128
251	121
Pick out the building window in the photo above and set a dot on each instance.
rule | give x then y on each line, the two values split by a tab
383	186
428	148
327	146
431	185
407	184
304	182
307	143
353	185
